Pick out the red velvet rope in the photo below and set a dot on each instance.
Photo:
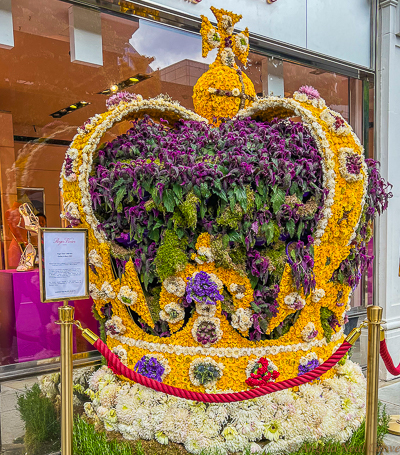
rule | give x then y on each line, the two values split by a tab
120	369
388	361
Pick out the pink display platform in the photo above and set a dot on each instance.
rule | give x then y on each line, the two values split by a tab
28	329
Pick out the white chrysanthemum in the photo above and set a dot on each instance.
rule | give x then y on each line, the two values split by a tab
172	312
128	432
114	326
121	353
309	332
235	92
204	255
196	443
176	424
108	395
241	319
307	358
107	290
227	25
317	295
241	42
213	38
127	296
238	290
213	277
89	411
175	285
228	57
94	292
204	309
161	438
95	259
294	301
273	430
97	376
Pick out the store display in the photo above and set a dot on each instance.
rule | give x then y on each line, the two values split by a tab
223	253
31	224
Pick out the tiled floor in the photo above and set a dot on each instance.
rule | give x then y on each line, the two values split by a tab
389	394
12	428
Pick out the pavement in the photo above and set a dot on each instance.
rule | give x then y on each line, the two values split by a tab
12	427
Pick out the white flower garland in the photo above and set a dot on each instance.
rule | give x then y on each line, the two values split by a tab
95	259
236	353
317	295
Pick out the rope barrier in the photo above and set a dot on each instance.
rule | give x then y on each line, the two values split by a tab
387	359
119	368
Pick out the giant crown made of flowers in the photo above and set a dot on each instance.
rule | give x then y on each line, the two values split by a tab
224	247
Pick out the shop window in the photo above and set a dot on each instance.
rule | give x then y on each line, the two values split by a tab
38	79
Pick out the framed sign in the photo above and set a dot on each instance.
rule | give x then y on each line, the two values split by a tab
63	264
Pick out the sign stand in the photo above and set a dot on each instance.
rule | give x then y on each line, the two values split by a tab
63	266
66	321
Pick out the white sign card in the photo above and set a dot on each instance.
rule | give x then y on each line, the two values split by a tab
63	264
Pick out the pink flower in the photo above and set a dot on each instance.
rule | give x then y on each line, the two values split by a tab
311	92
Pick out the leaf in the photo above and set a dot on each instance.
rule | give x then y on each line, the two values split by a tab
196	191
263	324
155	235
300	229
177	190
277	199
269	232
340	277
253	281
118	199
235	237
119	182
255	307
290	226
259	201
203	210
241	197
180	232
169	200
225	241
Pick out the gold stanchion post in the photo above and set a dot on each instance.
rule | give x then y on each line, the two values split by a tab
66	315
374	315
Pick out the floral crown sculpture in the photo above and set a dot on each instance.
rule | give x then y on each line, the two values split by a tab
223	257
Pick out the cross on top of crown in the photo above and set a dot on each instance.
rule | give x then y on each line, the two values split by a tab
222	37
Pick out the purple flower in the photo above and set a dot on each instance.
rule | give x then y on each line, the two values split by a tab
309	366
202	289
150	367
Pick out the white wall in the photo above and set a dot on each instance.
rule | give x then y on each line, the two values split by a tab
388	148
337	28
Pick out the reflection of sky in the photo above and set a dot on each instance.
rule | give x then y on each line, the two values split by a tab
167	45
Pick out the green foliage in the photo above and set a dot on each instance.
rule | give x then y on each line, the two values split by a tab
325	314
42	427
277	258
171	257
185	215
88	441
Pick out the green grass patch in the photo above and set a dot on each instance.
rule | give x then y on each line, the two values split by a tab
42	426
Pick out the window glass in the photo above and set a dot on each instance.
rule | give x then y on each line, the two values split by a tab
37	79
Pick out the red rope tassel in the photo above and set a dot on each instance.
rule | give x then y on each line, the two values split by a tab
387	359
120	369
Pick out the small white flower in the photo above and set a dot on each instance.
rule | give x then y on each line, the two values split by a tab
241	42
227	24
95	259
173	312
121	353
213	38
241	319
107	291
228	57
127	296
309	332
161	438
317	295
235	92
175	285
294	301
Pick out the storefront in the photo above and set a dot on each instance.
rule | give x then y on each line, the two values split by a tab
59	62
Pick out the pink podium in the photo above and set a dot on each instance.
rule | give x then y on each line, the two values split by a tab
28	329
